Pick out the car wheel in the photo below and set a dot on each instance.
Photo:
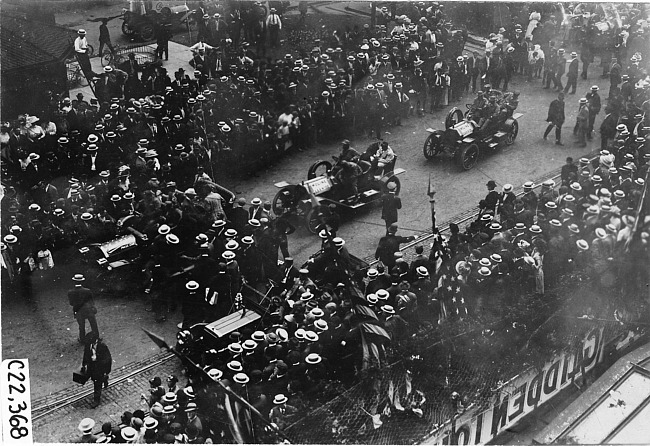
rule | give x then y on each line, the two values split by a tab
319	168
512	133
433	145
391	179
286	200
467	156
312	221
454	116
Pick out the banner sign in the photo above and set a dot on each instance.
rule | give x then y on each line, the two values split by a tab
522	395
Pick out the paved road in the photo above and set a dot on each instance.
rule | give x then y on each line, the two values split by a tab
528	158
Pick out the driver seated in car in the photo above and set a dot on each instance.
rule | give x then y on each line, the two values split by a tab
348	176
491	112
351	155
348	153
384	157
476	110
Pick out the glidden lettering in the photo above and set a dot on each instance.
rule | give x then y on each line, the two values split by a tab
550	383
499	416
519	402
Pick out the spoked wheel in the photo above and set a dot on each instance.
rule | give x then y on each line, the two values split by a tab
286	199
467	156
312	221
454	116
433	145
391	179
319	168
512	133
90	51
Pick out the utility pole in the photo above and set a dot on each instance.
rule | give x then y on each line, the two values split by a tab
373	15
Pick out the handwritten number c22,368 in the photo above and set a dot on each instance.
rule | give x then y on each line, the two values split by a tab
22	406
12	388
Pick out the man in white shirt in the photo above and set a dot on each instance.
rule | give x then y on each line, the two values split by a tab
274	24
81	50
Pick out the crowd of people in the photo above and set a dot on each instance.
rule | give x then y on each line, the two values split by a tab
141	159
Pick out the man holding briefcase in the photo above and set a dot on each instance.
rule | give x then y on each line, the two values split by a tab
96	365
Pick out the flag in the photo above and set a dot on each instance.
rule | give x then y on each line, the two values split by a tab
365	311
233	425
370	328
160	342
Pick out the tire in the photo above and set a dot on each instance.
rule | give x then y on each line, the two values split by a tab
287	199
467	156
454	116
147	32
315	169
90	51
512	133
391	179
311	222
126	29
433	145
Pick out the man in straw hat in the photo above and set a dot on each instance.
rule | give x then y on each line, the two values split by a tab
83	306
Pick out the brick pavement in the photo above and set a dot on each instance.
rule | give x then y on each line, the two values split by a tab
59	425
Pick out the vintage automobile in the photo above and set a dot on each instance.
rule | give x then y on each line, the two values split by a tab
464	140
324	187
143	18
124	251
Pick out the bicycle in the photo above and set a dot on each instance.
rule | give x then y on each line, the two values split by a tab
112	57
75	74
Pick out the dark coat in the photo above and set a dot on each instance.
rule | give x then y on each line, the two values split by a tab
390	204
573	68
388	245
81	300
556	112
103	361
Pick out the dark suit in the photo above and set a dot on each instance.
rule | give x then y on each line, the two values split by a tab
239	218
390	204
388	246
83	307
572	76
473	71
555	118
98	362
